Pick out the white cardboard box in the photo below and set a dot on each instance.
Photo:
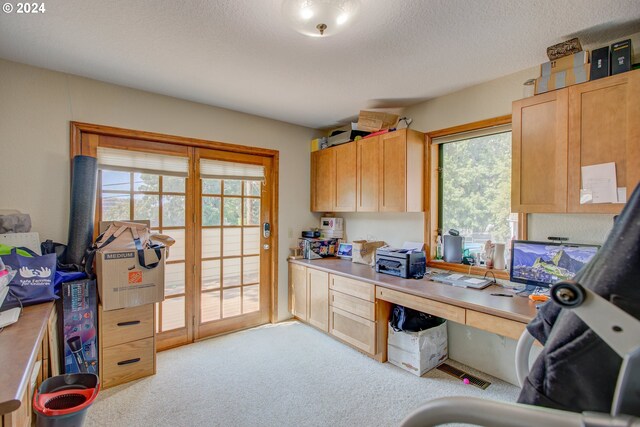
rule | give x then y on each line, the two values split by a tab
418	352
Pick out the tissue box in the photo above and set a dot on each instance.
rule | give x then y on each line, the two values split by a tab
418	352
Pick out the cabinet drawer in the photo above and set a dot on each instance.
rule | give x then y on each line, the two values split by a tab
352	329
352	305
362	290
127	362
497	325
126	325
435	308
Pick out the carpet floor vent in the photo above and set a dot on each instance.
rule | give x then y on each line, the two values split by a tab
462	375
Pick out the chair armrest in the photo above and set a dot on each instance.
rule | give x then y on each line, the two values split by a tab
473	410
523	350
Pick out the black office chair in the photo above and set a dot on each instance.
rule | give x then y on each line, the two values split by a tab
588	373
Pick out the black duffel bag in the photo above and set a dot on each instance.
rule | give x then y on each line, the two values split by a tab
410	320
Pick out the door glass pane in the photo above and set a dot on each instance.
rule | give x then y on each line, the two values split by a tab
231	272
173	313
210	306
252	188
146	182
116	207
210	243
232	187
173	184
211	186
176	252
147	206
231	238
231	302
211	274
251	241
250	298
173	279
232	208
114	180
251	211
173	211
250	269
210	211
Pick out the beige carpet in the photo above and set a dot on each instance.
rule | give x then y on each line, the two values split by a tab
287	374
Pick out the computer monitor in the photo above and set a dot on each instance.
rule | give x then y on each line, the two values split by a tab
545	263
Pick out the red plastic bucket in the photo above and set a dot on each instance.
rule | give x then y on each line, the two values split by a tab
62	401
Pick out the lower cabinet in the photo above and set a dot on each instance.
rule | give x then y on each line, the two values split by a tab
127	344
343	307
298	291
318	294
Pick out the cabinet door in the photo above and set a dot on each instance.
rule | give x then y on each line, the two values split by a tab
298	289
604	127
318	282
323	179
539	142
368	172
345	172
393	169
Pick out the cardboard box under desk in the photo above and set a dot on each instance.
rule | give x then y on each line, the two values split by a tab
123	282
418	352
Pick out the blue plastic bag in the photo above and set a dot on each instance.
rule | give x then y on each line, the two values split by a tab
33	282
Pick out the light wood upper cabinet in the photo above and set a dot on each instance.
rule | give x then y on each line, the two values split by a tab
557	133
298	290
384	173
318	293
539	153
604	126
323	179
368	172
401	171
345	173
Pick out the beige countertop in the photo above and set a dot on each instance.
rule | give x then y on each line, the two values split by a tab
518	308
19	347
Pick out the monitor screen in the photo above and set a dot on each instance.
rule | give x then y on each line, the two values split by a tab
544	263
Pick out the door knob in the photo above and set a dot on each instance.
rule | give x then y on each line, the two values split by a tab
266	247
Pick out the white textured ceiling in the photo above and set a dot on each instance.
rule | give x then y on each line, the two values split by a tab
241	55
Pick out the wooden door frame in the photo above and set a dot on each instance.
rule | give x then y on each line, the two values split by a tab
80	131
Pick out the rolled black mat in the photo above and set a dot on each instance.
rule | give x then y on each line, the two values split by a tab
83	202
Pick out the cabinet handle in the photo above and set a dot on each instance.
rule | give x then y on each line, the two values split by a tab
128	362
129	323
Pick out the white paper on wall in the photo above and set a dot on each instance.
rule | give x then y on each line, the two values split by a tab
601	181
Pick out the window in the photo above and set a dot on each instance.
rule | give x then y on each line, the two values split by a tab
475	186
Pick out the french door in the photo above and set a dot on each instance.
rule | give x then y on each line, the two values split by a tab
218	275
232	243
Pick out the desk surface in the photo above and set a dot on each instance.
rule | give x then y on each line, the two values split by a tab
518	308
19	347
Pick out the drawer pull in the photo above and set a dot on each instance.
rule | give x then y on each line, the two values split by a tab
129	362
129	323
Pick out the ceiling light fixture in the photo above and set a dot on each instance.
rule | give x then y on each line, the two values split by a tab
319	18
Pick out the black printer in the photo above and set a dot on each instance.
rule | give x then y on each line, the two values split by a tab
405	263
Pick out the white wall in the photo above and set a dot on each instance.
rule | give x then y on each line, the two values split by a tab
36	106
392	228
